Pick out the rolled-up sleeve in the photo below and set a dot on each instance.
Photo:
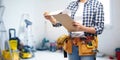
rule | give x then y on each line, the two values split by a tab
99	21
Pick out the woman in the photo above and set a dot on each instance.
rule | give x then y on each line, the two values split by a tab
88	16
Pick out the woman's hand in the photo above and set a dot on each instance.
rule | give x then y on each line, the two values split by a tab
79	26
49	17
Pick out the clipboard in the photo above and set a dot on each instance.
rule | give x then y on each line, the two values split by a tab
66	21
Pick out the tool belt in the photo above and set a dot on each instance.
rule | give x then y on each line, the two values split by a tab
86	45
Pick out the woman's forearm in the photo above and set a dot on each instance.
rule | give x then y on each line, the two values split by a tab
53	20
89	30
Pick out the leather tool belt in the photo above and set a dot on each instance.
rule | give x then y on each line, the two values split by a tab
86	45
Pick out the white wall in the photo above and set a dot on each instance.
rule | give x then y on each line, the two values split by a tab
110	38
16	8
35	8
108	41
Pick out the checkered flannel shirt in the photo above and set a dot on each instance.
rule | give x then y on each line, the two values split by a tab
93	15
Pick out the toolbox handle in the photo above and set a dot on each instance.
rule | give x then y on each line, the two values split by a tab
12	30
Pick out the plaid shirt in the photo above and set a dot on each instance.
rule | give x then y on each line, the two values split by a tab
93	15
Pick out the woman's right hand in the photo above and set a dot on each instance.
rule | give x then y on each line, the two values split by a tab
49	17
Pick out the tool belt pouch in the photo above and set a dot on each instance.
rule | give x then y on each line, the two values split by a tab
68	46
85	50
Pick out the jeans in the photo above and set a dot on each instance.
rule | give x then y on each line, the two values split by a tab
75	55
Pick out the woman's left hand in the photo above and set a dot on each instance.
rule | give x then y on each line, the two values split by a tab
78	26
